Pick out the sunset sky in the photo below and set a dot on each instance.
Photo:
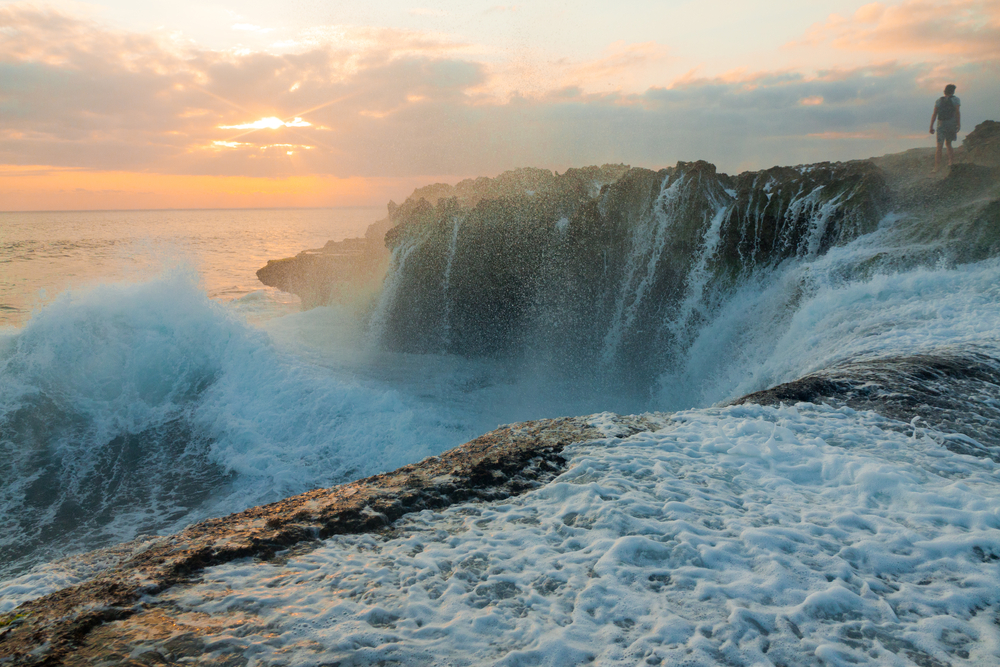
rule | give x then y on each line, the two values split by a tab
117	104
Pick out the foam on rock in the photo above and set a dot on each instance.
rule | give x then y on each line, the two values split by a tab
509	460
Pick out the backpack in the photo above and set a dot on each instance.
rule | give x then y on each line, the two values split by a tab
946	109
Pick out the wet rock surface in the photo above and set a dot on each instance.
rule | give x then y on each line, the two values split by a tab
982	145
329	274
104	619
609	263
954	393
610	268
542	227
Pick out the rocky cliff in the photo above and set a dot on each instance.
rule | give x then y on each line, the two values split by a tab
615	267
337	272
612	270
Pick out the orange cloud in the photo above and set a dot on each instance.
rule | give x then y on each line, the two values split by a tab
747	81
623	65
81	95
848	135
967	29
144	121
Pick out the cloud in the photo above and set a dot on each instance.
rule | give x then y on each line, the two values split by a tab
621	66
78	94
425	11
249	27
502	9
868	136
371	42
957	29
350	102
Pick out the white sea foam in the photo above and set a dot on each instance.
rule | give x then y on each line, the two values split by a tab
808	316
744	536
66	572
142	408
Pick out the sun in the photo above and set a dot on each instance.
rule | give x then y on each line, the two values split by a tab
269	123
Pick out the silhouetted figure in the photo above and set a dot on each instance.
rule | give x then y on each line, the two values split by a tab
948	113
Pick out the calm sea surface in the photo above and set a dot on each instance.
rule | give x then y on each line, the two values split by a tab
45	253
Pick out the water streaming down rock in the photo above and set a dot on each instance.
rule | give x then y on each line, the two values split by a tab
387	297
452	246
611	274
646	249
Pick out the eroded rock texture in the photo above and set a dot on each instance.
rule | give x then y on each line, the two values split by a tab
616	268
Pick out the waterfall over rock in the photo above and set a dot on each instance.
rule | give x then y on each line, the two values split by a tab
609	274
599	268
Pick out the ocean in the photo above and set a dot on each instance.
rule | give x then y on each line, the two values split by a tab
148	381
46	253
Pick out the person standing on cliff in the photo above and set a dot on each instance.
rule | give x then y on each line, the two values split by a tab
948	113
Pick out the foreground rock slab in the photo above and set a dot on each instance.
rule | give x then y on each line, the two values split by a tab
502	463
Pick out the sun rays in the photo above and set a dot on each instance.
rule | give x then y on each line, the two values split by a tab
269	123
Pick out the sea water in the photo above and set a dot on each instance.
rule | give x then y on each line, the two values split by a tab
141	390
148	380
44	253
154	383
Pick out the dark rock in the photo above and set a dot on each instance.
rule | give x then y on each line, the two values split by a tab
787	212
982	145
513	259
956	393
337	272
588	273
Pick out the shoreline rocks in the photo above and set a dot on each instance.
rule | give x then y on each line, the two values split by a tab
954	392
777	200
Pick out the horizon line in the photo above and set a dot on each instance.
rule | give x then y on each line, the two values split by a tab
199	208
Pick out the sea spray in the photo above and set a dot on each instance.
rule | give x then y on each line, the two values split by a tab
647	242
446	282
781	325
137	408
394	278
97	399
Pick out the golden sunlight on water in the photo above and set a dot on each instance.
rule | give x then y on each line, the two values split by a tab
43	254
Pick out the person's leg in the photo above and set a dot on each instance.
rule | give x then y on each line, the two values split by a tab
937	157
951	154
